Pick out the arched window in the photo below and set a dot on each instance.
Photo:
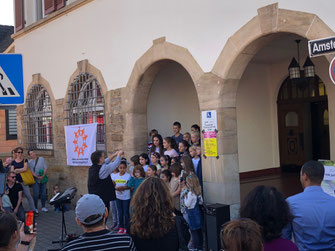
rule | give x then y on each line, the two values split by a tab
86	104
313	90
38	119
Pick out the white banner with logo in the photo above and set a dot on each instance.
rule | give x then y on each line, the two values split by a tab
81	141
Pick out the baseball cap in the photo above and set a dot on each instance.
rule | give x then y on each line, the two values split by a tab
89	205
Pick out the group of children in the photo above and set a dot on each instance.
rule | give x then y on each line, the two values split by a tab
177	161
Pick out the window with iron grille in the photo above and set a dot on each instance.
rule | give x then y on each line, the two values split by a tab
38	119
86	104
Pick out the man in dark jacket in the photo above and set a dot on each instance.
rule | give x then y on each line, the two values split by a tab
99	179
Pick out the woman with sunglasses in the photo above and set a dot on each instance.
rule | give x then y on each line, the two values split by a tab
20	165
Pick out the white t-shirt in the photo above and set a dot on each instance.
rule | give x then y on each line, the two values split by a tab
121	181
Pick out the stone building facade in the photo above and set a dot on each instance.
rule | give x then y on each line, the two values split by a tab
126	116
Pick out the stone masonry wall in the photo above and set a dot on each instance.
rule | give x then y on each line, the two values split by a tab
58	170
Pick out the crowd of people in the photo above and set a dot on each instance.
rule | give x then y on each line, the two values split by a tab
155	202
174	161
21	175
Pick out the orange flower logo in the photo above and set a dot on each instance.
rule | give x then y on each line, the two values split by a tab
80	141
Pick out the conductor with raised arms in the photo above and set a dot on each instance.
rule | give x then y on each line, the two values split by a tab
99	179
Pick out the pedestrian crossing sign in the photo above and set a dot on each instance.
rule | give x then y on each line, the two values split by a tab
11	79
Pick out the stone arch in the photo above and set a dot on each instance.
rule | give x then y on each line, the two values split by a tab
38	79
136	93
270	23
82	67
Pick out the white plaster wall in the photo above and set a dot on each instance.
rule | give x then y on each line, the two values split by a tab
253	108
112	35
172	98
257	122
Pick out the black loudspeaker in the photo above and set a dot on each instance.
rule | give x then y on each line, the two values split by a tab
215	216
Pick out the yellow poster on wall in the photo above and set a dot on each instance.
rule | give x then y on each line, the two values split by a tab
209	128
210	144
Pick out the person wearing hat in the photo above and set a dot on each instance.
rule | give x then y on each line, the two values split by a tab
91	214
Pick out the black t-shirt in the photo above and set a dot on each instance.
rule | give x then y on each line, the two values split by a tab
18	165
168	242
14	194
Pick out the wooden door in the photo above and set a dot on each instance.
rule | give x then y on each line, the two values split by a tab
291	134
320	130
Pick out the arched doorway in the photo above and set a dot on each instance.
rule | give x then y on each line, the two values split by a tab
264	100
172	97
163	65
303	122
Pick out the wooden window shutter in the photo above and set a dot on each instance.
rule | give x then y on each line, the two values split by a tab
49	6
60	4
19	22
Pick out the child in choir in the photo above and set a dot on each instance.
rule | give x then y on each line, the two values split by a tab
187	164
195	128
152	171
155	161
187	137
157	145
195	152
175	160
175	187
134	161
195	138
198	171
170	145
115	218
165	162
192	200
137	179
144	161
183	148
166	177
121	180
151	134
177	136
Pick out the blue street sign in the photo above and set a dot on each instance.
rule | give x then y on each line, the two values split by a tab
11	79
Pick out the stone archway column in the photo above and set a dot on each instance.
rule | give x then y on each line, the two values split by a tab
221	175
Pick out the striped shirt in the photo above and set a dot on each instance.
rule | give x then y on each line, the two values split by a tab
101	240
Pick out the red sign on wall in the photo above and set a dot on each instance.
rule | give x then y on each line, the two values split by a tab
332	70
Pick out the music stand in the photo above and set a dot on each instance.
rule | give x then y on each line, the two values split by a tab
62	199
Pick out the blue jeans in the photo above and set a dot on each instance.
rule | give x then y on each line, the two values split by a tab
21	213
123	212
40	189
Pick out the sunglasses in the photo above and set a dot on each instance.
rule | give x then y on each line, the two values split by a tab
13	177
19	152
